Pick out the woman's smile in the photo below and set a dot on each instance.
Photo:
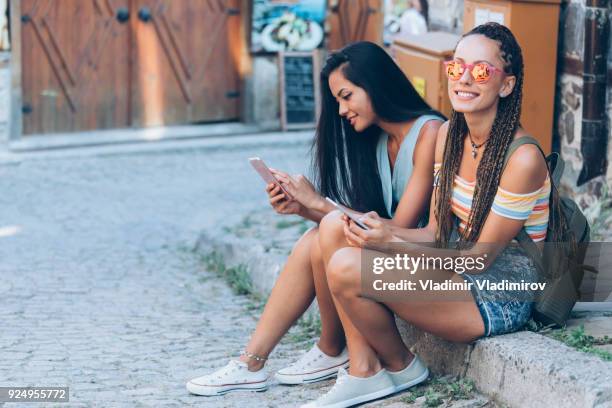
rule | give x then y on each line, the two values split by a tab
466	95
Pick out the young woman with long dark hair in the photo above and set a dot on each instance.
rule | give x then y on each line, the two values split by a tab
476	200
373	150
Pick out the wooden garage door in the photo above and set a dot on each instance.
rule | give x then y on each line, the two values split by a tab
101	64
75	70
354	20
184	69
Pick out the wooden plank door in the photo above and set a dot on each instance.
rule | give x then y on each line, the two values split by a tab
74	65
185	61
354	20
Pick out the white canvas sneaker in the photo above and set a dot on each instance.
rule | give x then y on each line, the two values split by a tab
349	390
416	372
234	376
313	366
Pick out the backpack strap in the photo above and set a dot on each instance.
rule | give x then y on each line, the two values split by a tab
516	143
531	248
555	162
522	237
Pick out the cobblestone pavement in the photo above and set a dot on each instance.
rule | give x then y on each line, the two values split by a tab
100	291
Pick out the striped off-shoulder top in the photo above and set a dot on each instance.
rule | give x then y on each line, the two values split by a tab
532	207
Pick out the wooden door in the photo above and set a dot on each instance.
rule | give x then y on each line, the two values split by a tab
103	64
74	65
355	20
185	61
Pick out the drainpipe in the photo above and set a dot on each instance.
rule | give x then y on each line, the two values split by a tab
594	137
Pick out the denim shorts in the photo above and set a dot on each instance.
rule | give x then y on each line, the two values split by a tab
503	311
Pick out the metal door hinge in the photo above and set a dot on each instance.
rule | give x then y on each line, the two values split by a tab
233	94
26	109
233	11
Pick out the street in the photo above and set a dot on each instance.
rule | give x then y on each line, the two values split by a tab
100	289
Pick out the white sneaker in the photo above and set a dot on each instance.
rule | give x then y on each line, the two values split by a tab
233	377
349	390
313	366
416	372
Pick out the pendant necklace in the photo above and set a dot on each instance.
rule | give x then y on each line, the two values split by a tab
475	147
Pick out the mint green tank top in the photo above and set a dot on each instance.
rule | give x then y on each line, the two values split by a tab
393	185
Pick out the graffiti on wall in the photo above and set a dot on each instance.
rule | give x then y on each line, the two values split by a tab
287	25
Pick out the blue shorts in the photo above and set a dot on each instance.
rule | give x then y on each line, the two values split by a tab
505	312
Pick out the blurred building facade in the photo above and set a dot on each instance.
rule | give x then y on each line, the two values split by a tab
255	97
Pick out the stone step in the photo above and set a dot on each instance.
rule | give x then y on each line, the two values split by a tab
522	369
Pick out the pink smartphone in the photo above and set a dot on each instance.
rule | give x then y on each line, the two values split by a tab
266	174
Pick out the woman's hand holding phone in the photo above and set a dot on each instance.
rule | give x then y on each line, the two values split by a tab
377	232
280	202
301	189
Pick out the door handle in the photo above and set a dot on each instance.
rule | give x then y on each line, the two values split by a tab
123	15
144	14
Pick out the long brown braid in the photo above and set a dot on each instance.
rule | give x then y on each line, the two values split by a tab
490	167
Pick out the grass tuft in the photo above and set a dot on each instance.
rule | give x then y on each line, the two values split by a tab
441	390
284	224
237	277
584	342
308	327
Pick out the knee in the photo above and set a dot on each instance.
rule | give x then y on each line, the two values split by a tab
344	272
331	228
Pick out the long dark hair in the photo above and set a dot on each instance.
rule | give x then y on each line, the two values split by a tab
344	161
490	168
425	10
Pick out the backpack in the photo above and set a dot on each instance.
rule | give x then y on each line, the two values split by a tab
563	273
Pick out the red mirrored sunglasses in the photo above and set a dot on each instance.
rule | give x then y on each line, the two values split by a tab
481	71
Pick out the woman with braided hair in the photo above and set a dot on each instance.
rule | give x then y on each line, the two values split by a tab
373	150
476	200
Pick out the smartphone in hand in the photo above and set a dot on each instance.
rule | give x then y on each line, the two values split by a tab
266	174
348	212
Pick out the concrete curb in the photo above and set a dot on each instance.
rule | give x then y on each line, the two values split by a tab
129	135
522	369
263	266
525	369
208	142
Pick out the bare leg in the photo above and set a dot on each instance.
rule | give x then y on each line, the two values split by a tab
293	292
363	359
458	321
332	340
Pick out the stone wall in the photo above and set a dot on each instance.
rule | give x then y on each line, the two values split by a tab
593	195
